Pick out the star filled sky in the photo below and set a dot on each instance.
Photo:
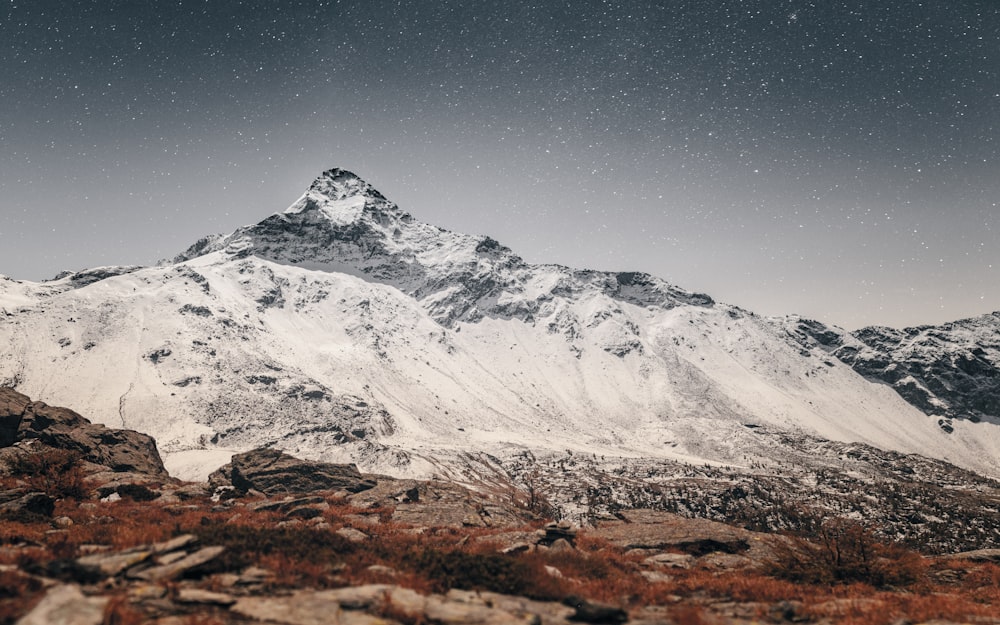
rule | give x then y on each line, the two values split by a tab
836	159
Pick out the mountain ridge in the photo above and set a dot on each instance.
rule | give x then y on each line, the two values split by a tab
344	329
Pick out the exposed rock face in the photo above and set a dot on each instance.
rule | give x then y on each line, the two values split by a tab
120	450
951	371
345	221
17	502
652	530
438	503
274	472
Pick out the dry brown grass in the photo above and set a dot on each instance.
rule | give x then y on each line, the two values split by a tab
444	558
18	594
55	472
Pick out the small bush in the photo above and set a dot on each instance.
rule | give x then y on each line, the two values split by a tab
55	472
844	552
18	593
136	492
492	572
246	542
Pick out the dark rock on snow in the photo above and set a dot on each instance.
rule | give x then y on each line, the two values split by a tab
60	428
274	472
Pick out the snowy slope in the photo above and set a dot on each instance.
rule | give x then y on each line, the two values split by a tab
950	371
343	328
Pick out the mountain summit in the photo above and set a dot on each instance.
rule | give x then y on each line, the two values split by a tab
343	224
344	329
338	184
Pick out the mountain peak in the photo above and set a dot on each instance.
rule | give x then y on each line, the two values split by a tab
340	184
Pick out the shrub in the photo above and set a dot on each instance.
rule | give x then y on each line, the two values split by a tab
18	593
500	573
246	541
55	472
844	552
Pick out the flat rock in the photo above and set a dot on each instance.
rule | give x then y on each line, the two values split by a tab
351	534
303	608
29	503
662	531
274	472
180	567
66	605
205	597
979	555
111	564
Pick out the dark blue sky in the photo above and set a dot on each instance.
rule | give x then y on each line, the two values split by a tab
835	159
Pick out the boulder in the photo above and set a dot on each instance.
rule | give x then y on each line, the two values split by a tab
16	503
120	450
654	531
67	605
274	472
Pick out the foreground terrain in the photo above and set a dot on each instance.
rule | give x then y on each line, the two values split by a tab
388	556
94	531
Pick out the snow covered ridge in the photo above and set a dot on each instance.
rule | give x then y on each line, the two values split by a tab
344	225
949	372
344	329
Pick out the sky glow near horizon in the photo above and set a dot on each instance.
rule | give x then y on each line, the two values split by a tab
833	159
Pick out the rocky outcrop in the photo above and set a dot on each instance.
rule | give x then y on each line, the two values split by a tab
950	371
654	532
23	420
273	472
438	503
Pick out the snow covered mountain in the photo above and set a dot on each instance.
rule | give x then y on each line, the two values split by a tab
950	371
343	328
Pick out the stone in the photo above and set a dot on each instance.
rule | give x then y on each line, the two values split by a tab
671	560
290	503
406	602
66	605
528	610
180	542
206	597
561	545
274	472
384	571
304	512
656	577
359	597
351	534
61	428
177	569
146	592
302	608
663	531
254	575
27	503
978	555
111	564
445	612
594	612
554	532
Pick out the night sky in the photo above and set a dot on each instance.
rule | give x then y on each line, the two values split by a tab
837	159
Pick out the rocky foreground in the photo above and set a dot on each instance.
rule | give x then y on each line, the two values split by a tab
93	530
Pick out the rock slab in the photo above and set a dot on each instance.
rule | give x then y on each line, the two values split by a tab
274	472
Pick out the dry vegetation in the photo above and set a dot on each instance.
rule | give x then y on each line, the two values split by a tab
840	572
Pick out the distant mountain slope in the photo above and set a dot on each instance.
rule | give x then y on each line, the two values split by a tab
950	371
343	328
